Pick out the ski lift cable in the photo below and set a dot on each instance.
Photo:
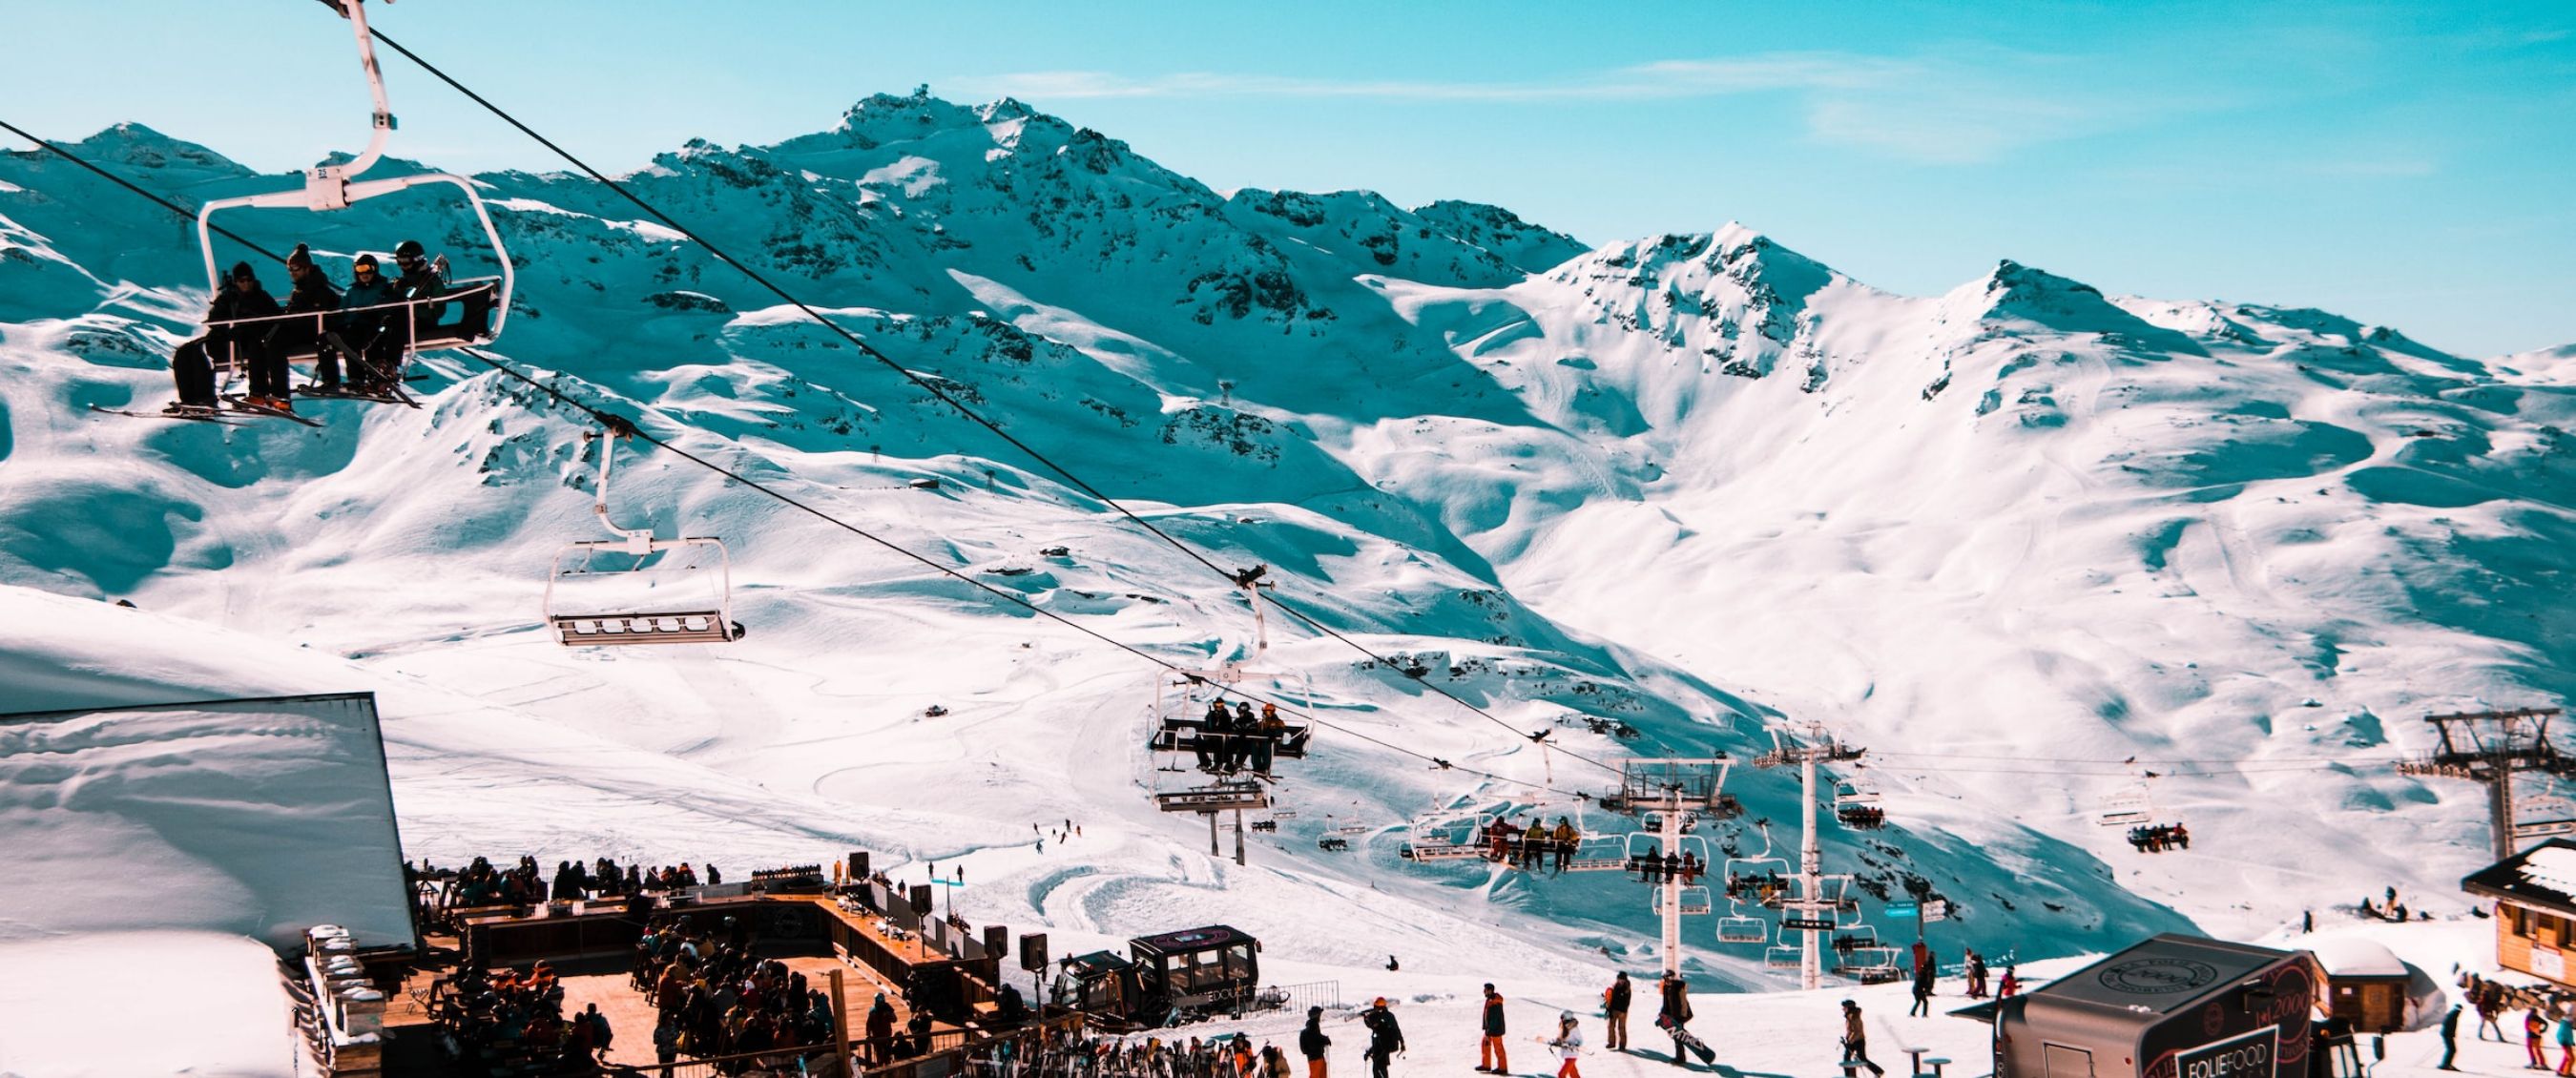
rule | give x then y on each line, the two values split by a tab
2141	761
792	502
615	422
130	185
922	383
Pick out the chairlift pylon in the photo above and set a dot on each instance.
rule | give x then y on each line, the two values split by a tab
587	604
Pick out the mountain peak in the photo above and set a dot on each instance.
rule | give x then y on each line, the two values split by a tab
2015	292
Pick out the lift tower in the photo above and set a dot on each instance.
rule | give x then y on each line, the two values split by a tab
1670	795
1814	905
2491	747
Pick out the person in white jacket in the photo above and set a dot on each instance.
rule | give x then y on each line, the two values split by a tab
1568	1045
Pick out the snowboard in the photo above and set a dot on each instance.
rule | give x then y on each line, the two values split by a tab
1690	1042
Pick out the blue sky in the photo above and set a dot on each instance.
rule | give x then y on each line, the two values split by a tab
2408	164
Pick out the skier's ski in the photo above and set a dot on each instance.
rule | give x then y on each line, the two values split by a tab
390	396
242	406
192	415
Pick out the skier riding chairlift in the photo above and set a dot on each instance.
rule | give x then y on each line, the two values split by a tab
334	187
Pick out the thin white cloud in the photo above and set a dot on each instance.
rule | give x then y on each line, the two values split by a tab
1972	105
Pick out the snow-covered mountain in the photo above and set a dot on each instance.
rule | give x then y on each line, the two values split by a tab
2010	538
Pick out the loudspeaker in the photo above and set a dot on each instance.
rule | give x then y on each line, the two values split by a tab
997	941
921	899
1033	953
858	866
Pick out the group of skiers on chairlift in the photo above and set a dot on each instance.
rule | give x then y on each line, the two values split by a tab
1685	867
372	322
1231	741
1528	845
2157	838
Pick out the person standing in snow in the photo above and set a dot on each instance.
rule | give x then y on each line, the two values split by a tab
1675	1014
2450	1038
1491	1057
1568	1045
1923	970
2490	1003
1614	1004
2566	1045
1976	975
1311	1042
2011	984
1386	1038
1856	1040
2533	1027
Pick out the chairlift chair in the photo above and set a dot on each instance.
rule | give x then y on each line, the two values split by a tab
334	187
593	599
1446	837
2129	807
1694	901
1871	965
1599	853
1737	928
1755	876
1784	956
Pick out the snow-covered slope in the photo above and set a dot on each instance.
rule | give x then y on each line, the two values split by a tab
2007	538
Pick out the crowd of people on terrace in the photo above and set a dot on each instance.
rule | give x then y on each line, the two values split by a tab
712	997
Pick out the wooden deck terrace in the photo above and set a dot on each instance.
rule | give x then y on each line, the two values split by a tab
592	952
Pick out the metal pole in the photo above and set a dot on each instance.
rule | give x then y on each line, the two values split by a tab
841	1024
1810	863
1238	836
1214	850
1669	835
2500	803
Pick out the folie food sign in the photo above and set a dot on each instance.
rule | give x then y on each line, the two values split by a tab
2246	1055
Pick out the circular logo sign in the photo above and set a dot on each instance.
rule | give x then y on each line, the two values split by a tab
2157	976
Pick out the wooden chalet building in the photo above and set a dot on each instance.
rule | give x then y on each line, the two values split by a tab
2535	909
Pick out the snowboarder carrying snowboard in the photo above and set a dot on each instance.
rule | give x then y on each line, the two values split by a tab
1676	1014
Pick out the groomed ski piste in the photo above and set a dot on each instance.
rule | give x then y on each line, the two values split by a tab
2025	542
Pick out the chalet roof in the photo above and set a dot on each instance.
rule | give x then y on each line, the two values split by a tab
2543	876
2348	958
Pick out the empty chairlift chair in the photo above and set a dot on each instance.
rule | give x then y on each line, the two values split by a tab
637	589
2129	807
1694	901
1738	928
